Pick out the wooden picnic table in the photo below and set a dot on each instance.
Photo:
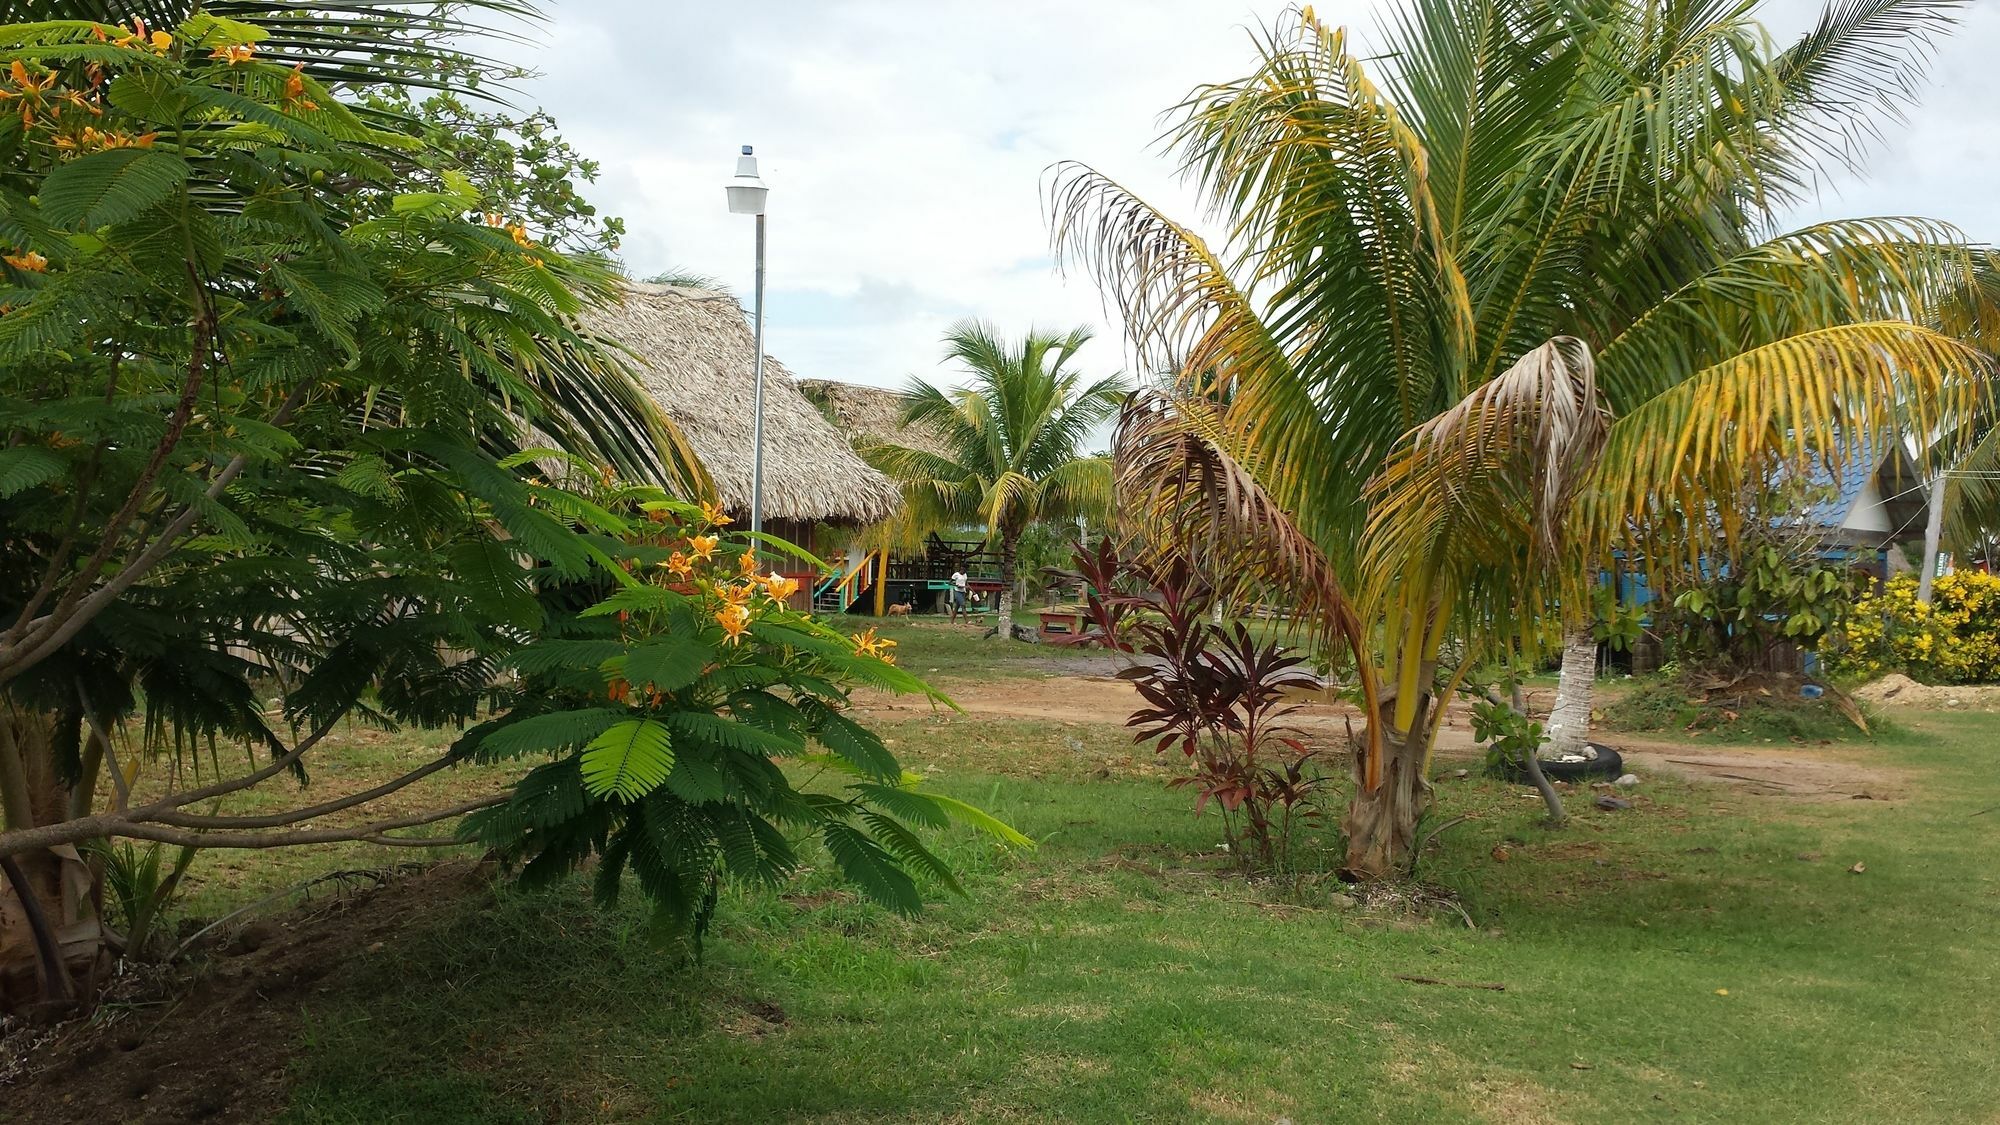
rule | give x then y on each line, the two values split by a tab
1061	621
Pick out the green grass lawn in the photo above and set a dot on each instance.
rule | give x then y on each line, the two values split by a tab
935	649
1706	956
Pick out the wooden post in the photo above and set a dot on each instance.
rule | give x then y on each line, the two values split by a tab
881	561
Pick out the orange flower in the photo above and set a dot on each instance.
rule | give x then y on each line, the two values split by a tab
713	514
777	587
19	73
679	564
746	563
619	690
735	621
90	140
659	515
235	54
736	595
28	260
881	648
295	90
136	38
703	546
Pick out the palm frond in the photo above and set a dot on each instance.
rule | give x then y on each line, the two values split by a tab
1818	397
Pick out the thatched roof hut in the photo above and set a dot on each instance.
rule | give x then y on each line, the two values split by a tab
870	415
693	350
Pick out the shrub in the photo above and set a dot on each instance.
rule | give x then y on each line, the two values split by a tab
1954	640
1215	693
665	707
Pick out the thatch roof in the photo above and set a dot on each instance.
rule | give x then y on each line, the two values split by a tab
870	415
693	350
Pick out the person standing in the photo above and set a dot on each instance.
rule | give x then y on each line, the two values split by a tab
955	600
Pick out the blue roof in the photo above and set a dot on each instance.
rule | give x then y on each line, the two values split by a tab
1855	473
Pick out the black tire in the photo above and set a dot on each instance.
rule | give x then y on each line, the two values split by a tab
1606	764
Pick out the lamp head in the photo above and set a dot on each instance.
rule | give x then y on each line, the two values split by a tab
747	191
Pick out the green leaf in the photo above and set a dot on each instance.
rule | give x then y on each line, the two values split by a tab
897	839
697	780
494	578
753	847
981	819
26	466
556	731
110	187
868	866
668	664
918	808
629	760
731	735
853	741
554	654
636	599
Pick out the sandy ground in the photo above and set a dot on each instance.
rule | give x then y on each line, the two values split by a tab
1829	773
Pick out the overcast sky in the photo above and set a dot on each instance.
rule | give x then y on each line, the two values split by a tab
905	143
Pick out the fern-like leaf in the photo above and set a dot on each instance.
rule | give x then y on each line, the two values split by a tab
110	186
629	760
729	734
870	867
24	467
668	664
559	730
897	839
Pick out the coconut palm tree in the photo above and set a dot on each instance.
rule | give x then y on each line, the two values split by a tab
1513	297
1014	441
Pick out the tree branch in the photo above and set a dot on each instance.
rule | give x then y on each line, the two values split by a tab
68	617
296	816
112	826
277	766
120	784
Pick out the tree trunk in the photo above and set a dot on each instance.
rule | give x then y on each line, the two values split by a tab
1569	720
1531	763
1933	531
48	901
1381	824
1008	542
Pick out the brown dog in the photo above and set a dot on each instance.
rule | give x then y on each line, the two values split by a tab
903	610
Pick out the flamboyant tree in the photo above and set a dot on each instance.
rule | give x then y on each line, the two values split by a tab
276	378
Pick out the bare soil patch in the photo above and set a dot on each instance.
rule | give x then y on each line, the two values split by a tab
208	1043
1898	690
1790	772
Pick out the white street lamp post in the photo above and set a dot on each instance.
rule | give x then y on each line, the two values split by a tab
747	194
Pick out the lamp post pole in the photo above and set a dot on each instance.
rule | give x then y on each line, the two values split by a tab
757	426
747	194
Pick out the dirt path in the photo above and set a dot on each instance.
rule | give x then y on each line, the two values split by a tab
1808	773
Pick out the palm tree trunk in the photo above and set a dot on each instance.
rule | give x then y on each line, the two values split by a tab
1933	532
1569	720
1009	541
1381	823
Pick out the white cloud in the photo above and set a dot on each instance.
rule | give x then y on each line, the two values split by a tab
905	143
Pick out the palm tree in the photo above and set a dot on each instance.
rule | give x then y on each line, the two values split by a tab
1515	300
1013	441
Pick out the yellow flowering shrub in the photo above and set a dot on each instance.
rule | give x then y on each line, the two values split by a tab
1954	640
